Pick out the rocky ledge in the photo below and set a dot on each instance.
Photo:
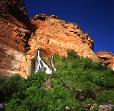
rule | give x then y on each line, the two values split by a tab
107	58
56	36
20	39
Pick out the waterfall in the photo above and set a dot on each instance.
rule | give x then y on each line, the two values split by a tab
41	65
52	61
38	65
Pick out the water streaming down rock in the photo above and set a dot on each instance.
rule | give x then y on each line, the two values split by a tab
52	61
41	65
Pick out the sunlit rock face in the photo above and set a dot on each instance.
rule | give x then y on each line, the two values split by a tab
55	36
14	34
48	33
107	58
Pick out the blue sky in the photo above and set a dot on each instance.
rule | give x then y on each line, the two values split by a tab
96	17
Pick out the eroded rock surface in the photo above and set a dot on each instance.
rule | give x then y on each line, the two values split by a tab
20	39
56	36
107	58
14	35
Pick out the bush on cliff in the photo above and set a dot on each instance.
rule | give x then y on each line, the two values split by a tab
77	85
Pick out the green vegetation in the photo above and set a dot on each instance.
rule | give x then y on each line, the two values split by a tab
77	85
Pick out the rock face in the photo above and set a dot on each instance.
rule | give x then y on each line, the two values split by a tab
20	39
14	34
107	58
55	36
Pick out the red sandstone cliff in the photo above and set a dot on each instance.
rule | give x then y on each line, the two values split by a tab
55	36
107	58
14	34
19	40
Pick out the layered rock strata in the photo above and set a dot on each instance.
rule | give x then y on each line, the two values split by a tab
107	58
56	36
14	35
20	39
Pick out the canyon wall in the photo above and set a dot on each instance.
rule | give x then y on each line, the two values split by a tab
56	36
107	58
14	35
20	39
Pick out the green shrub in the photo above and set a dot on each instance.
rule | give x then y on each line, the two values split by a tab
10	86
105	97
105	82
77	82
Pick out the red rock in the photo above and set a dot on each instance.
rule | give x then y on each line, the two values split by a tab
14	34
107	58
57	36
49	33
